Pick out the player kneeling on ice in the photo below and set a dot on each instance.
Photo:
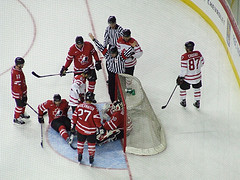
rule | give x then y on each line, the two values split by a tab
78	90
114	128
57	113
86	120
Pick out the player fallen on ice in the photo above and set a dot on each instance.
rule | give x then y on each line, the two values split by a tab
113	129
86	120
57	113
81	53
19	91
78	90
191	64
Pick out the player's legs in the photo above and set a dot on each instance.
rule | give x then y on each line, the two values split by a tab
92	77
61	125
80	145
129	71
19	109
197	94
91	147
183	93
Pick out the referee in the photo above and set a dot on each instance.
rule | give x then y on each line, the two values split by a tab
112	32
114	62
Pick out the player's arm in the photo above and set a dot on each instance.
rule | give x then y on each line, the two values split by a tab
41	108
68	62
98	44
16	87
138	50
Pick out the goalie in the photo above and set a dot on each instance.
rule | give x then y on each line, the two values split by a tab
113	129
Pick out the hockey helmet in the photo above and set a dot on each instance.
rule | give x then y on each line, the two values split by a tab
117	105
189	45
89	96
126	33
113	50
111	20
79	40
57	98
19	60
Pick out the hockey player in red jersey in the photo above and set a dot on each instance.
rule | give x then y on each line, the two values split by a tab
86	120
191	63
113	129
57	112
81	53
19	91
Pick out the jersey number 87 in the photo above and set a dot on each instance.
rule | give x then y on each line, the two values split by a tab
193	63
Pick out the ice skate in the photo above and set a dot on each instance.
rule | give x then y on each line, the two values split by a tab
69	140
18	121
183	103
197	104
25	116
79	158
91	159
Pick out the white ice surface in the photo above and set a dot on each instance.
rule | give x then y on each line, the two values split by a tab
201	144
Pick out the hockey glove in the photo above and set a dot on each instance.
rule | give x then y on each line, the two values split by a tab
101	130
179	80
40	119
63	71
98	65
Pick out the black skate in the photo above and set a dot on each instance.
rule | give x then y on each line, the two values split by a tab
79	158
91	159
183	103
18	121
25	116
197	104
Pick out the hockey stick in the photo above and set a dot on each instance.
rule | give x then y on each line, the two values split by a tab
163	107
41	124
48	75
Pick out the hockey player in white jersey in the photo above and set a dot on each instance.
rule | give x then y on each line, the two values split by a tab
78	90
191	63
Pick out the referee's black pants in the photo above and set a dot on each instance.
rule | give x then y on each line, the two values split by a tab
111	85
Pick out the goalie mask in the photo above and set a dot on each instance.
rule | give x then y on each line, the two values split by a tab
117	106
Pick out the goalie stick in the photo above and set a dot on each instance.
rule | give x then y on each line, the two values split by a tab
163	107
48	75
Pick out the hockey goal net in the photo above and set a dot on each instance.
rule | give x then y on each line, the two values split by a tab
147	135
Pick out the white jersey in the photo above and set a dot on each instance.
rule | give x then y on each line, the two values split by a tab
122	45
78	90
191	64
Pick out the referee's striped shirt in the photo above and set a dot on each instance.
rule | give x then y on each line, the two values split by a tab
111	35
115	64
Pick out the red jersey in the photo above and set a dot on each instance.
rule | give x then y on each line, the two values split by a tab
191	64
87	119
122	45
18	86
54	111
116	121
82	57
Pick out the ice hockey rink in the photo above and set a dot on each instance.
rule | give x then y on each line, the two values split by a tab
201	144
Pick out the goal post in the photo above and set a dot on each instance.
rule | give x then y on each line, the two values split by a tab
147	134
